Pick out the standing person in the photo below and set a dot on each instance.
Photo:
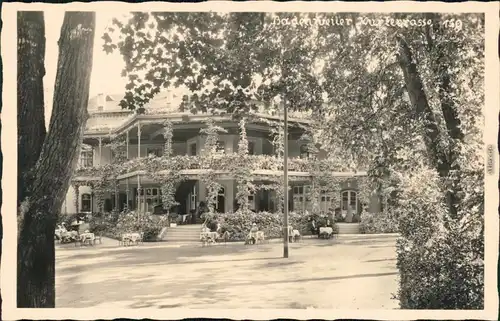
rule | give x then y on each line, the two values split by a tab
202	208
313	227
253	230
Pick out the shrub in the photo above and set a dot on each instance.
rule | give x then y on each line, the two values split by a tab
149	224
373	223
113	225
439	257
210	220
66	218
104	224
239	223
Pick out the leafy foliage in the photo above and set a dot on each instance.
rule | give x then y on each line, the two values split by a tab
113	225
375	223
240	222
437	270
243	173
209	156
388	96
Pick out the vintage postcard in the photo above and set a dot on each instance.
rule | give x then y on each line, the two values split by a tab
251	160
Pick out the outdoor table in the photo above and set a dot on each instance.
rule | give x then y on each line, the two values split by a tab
210	235
84	237
326	230
133	237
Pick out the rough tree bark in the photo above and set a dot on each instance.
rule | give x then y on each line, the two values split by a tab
36	257
30	100
444	84
440	159
1	202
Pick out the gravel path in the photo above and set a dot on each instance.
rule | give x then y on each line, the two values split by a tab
352	272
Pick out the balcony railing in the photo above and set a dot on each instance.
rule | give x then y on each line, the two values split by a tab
228	162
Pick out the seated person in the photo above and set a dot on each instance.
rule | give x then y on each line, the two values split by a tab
251	236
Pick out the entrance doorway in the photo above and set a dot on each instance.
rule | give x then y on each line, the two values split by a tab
221	200
349	205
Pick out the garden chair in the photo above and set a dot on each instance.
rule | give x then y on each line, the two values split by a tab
140	240
208	238
260	237
125	239
85	238
224	237
296	235
255	237
98	238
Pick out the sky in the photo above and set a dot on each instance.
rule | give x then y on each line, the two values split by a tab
106	68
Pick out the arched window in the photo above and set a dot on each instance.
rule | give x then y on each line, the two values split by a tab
86	203
349	200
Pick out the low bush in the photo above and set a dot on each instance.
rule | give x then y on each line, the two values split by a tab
239	223
149	224
113	225
374	223
66	218
104	224
210	220
439	256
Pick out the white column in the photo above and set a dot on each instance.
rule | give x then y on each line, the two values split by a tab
139	188
127	191
100	150
127	143
139	139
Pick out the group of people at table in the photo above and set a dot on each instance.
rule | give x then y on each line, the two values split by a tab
255	235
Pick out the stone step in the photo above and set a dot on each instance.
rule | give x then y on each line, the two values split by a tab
185	227
172	235
183	233
348	228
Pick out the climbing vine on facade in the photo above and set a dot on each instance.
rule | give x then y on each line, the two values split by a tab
210	154
241	171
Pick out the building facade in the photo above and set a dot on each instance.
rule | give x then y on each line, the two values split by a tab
144	140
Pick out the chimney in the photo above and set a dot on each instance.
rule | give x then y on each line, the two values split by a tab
101	102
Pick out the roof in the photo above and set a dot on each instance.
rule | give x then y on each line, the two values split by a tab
113	118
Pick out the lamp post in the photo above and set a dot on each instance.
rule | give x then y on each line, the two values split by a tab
285	179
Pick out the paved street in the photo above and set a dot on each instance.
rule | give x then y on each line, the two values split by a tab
353	272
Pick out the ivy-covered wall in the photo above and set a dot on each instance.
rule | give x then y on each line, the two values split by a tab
165	172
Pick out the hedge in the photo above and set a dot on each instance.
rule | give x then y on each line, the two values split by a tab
113	225
239	223
375	223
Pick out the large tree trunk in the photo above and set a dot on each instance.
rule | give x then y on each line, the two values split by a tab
418	98
444	85
30	100
36	255
1	202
